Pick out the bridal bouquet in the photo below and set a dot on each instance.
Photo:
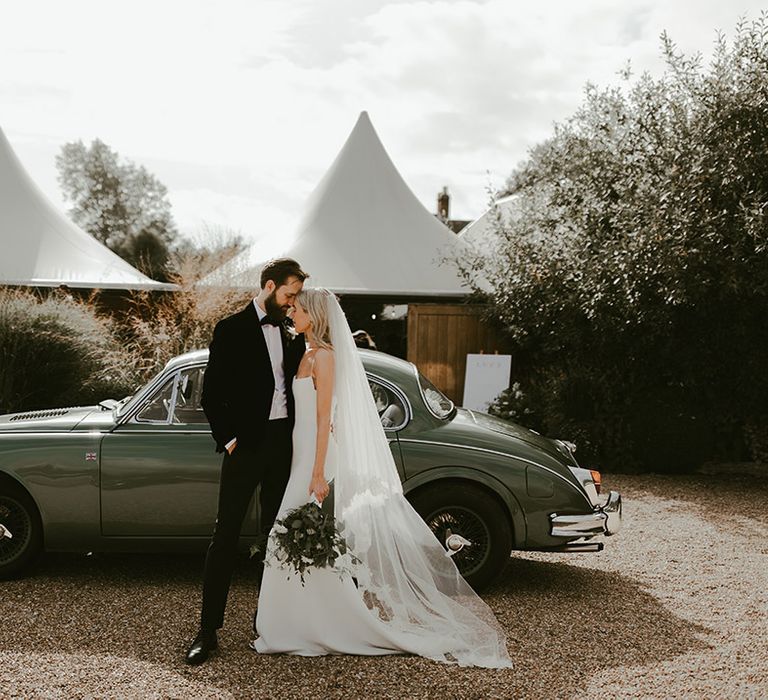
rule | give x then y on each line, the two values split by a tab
308	537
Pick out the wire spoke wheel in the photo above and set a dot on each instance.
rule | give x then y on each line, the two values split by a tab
457	510
459	520
20	518
17	520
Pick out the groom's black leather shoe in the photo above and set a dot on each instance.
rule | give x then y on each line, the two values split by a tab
204	644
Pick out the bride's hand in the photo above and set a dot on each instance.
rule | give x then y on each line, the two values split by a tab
319	486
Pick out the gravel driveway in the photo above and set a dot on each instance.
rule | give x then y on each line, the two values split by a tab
676	606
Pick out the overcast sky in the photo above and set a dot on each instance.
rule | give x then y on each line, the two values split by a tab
240	107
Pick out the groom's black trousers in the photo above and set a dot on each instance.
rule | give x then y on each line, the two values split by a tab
269	464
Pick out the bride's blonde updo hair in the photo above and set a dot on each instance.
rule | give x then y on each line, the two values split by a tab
314	300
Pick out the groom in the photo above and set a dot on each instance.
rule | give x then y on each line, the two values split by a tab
249	404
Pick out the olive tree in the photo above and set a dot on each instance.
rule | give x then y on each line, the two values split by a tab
633	279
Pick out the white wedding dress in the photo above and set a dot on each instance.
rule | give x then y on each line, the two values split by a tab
327	614
406	596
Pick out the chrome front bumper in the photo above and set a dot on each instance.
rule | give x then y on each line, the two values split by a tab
604	520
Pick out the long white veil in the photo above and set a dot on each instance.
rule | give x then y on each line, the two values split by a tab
404	575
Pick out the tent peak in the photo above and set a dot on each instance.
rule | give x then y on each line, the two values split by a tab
363	127
43	248
363	231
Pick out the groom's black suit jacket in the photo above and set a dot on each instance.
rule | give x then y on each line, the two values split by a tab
238	384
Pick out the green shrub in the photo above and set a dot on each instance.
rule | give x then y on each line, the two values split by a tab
55	351
633	280
511	405
756	432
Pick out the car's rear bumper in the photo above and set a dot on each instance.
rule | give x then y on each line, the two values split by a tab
604	520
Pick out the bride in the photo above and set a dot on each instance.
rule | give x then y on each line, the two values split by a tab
404	594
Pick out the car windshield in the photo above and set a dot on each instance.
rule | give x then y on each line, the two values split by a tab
437	402
128	403
121	404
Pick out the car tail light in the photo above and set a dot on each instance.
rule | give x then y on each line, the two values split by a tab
597	479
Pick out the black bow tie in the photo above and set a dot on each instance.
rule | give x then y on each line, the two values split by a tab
269	320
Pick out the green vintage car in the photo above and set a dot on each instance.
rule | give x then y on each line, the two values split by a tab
142	475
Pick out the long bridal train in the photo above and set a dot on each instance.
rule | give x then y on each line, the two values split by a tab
407	596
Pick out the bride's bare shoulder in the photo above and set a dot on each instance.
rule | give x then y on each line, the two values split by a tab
324	355
323	360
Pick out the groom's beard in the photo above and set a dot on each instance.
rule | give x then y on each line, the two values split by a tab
274	310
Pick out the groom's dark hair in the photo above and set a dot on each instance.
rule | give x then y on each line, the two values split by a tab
279	270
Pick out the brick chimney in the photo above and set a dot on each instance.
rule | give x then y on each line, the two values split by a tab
443	205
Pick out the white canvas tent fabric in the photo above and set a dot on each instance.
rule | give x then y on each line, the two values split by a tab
41	247
481	237
363	232
482	231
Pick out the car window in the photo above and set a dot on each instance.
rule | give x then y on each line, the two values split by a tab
389	405
156	410
188	407
437	402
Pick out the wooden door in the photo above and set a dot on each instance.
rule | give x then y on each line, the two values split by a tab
439	338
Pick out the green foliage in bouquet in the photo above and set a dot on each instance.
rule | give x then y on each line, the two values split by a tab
308	537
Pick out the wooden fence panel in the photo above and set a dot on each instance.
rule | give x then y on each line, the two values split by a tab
439	338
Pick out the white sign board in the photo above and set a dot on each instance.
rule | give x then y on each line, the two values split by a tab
486	377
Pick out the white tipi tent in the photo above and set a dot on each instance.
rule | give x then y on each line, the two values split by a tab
363	232
481	233
43	248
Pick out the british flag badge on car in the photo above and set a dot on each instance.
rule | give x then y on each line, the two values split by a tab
90	456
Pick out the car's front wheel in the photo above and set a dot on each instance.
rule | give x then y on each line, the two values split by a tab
21	536
473	514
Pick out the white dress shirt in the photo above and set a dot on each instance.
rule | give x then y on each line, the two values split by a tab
279	408
275	348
